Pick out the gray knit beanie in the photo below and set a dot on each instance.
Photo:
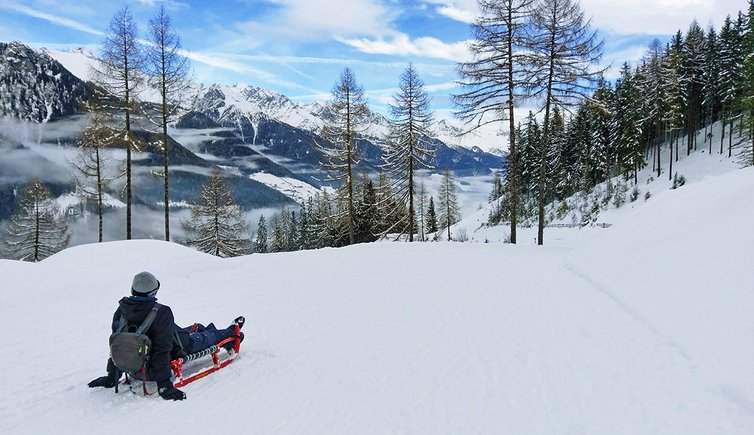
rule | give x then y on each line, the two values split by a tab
145	284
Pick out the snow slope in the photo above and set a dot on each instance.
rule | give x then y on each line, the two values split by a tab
643	328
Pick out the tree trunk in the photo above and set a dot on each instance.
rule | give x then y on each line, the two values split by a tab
670	171
99	194
165	143
349	181
513	156
730	138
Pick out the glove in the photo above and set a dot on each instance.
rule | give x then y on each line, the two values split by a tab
104	381
171	393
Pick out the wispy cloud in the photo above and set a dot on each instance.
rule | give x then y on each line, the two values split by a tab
323	19
55	19
657	17
402	45
222	62
464	11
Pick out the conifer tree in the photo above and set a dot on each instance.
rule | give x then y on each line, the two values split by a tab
118	72
672	100
565	51
627	123
36	229
345	116
367	213
408	150
449	212
650	88
217	225
294	237
432	225
745	100
494	80
730	56
168	68
692	81
260	243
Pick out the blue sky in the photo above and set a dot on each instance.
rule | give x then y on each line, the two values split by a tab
299	47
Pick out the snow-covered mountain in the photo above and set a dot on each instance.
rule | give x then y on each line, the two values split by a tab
241	103
35	87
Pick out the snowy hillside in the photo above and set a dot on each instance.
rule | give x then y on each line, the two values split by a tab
643	327
699	166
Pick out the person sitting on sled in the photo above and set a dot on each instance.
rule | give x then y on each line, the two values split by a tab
169	341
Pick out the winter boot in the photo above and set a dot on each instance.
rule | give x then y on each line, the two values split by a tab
229	346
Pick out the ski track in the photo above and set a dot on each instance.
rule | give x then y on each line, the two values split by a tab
406	351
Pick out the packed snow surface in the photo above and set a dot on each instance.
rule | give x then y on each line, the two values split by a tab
641	328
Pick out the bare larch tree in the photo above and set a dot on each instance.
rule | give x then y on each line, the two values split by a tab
93	170
118	72
492	82
345	115
564	51
168	69
407	149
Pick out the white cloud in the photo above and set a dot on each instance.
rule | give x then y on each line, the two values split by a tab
657	17
326	18
402	45
464	11
55	19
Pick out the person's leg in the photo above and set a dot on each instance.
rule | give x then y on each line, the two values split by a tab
197	327
208	337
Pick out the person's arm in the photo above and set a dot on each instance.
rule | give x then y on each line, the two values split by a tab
163	329
162	343
111	379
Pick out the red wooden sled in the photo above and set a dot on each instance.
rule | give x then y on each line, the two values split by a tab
177	364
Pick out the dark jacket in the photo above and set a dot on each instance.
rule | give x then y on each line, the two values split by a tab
168	339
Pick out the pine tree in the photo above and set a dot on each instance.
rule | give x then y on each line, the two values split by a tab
672	100
730	55
711	90
493	81
280	227
627	123
345	115
565	51
650	89
692	81
36	229
217	225
745	101
449	211
260	243
168	68
294	237
118	72
408	149
432	225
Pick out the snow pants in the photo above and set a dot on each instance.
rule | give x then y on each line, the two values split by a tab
203	337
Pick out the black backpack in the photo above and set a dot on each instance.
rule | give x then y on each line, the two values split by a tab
130	346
